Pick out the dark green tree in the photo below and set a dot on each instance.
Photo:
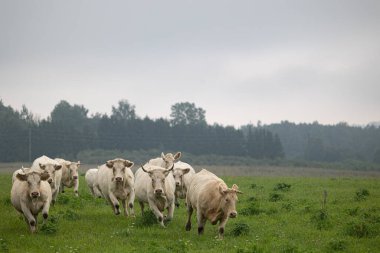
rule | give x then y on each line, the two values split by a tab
186	113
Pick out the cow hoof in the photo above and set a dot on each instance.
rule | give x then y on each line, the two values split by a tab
200	230
130	205
45	215
177	205
32	223
188	226
160	219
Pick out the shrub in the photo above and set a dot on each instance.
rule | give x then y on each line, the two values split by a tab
337	245
51	226
321	219
274	197
253	209
253	249
147	219
240	229
70	215
3	245
361	194
353	211
287	206
282	187
253	186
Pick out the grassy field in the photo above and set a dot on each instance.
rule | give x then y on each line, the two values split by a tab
276	214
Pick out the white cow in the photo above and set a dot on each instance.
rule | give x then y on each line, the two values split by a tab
165	161
54	170
70	176
90	178
155	185
212	199
116	182
31	194
182	174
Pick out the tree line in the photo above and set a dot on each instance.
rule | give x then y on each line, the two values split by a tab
69	129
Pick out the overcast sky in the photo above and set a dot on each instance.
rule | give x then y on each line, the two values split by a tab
241	61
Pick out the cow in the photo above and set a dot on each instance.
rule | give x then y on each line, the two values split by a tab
90	178
70	176
182	174
31	194
212	199
116	182
165	161
54	170
155	185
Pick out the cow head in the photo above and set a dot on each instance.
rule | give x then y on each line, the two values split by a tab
33	179
118	168
170	159
158	175
228	200
178	174
50	168
73	169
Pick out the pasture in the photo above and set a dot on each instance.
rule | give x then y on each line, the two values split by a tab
275	214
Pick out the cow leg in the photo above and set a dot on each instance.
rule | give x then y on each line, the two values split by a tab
114	202
62	188
124	203
29	217
176	199
201	221
54	196
156	212
45	211
131	200
170	212
222	225
142	207
76	186
189	213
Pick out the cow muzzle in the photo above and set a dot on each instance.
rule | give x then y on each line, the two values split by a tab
35	194
158	192
50	180
75	177
118	179
233	214
177	184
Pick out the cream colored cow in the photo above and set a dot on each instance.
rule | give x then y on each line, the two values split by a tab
70	176
54	170
90	177
155	185
116	182
212	199
182	174
31	194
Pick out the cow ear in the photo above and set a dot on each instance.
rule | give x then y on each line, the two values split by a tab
185	171
21	177
177	155
78	163
57	167
236	188
109	164
222	189
42	166
44	176
162	155
128	164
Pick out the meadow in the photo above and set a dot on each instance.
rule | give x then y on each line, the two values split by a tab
276	213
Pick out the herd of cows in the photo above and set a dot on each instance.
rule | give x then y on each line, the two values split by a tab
160	183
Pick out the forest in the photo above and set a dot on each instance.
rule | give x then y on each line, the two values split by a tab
70	129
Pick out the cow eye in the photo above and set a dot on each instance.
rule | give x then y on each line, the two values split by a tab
227	200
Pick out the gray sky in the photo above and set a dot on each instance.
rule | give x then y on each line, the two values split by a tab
241	61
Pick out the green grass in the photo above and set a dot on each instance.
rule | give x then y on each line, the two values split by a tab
295	222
